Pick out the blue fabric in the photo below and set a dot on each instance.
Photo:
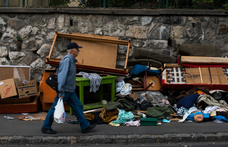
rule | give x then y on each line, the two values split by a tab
220	117
72	100
187	101
66	73
123	117
138	69
191	116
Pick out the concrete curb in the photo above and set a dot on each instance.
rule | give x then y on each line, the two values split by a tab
114	139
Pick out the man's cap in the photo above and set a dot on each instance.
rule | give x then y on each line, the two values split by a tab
73	45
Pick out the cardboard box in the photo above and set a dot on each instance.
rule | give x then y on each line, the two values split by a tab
31	89
148	121
12	71
8	87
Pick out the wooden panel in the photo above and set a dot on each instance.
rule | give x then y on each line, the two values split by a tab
21	107
97	53
47	92
215	79
214	71
205	75
206	79
188	76
203	60
15	100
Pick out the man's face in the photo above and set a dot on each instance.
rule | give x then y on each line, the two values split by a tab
75	52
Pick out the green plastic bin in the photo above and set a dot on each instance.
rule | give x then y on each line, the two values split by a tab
148	121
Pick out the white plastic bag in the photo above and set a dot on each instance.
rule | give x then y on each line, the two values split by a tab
59	114
120	85
126	90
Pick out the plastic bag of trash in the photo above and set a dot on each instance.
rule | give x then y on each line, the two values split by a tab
59	114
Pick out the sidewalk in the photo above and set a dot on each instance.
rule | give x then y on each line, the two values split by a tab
28	132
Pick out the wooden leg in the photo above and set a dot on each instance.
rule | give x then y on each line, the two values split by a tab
81	93
113	91
101	92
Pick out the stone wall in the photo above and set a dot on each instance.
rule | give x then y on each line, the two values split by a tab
153	31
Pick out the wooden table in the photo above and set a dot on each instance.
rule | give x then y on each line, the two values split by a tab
81	83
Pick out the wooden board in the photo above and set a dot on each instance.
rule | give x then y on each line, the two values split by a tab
21	107
207	75
203	60
15	100
97	53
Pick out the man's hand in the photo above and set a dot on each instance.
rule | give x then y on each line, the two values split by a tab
61	97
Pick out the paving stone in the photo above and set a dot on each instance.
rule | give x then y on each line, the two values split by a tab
73	139
122	139
159	138
15	139
97	139
37	140
84	139
109	139
25	140
172	137
146	138
211	137
134	138
198	137
4	140
185	137
222	136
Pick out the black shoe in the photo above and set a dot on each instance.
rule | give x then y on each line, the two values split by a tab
48	131
86	130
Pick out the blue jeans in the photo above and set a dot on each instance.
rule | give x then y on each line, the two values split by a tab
72	100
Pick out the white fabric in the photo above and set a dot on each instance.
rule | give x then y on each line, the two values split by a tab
123	88
192	109
135	123
95	80
120	85
208	109
126	90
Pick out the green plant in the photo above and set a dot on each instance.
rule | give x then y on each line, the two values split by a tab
226	5
202	1
19	38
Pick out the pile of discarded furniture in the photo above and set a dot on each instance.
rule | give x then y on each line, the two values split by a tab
152	87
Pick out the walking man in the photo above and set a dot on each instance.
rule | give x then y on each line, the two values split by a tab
66	74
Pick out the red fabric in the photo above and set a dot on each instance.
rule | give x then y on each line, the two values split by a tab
205	65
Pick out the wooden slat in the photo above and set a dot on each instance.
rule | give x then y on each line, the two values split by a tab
203	60
52	46
71	36
128	47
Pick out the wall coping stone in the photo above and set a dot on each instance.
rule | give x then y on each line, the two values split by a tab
112	11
